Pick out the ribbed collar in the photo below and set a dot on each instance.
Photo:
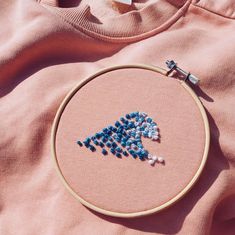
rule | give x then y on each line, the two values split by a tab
133	25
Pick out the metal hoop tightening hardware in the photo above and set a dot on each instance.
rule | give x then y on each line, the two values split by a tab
171	64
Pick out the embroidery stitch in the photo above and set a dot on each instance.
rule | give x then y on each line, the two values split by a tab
124	137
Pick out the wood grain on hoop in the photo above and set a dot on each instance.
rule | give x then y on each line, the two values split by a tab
172	200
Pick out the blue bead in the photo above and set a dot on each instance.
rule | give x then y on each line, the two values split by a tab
86	143
114	129
106	136
109	132
128	116
141	158
96	142
79	143
93	138
132	115
123	119
145	134
118	149
108	144
118	155
112	150
120	129
104	152
105	130
97	135
128	143
119	135
88	140
101	144
123	144
104	139
149	120
92	148
125	153
118	140
110	128
101	134
114	145
117	124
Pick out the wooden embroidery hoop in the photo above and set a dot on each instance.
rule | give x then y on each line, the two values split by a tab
175	198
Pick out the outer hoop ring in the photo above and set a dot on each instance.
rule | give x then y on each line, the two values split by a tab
140	213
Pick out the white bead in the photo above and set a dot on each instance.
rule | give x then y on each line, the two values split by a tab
149	135
160	159
143	114
151	162
154	158
155	137
150	156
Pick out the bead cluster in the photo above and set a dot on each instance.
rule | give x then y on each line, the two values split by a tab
124	137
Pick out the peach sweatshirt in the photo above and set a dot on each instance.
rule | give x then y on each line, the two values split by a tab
48	46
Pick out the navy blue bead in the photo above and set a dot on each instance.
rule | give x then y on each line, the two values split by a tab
141	158
120	128
128	116
108	144
118	140
118	155
79	143
112	150
119	135
126	127
92	148
109	132
104	152
114	129
133	115
104	139
101	144
123	144
105	130
117	124
86	143
118	149
96	142
128	143
125	153
114	145
93	138
97	135
110	128
123	119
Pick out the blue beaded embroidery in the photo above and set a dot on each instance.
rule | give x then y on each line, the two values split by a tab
124	137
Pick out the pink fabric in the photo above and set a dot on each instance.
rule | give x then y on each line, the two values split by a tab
49	46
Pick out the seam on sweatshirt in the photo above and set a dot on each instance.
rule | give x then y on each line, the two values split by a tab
213	12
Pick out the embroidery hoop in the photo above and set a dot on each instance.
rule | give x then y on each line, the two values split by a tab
164	205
